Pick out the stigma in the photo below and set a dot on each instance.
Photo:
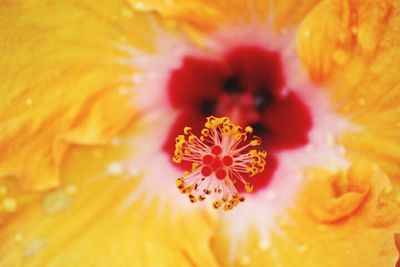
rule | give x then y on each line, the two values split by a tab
220	157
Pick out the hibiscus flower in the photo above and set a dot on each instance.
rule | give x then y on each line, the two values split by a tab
94	94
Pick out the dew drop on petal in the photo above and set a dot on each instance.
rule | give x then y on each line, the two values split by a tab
265	245
10	204
18	237
340	57
33	247
133	170
140	6
361	101
123	91
115	168
28	102
125	12
71	189
342	150
3	189
330	139
307	33
271	195
55	201
97	154
137	78
388	189
245	260
283	222
302	248
116	141
398	199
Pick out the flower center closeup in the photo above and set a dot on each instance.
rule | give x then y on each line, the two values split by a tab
246	85
219	161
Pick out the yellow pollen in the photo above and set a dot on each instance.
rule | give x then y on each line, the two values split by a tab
220	158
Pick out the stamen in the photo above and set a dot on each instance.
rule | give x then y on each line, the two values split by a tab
218	162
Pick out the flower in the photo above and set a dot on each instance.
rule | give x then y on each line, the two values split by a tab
93	96
218	161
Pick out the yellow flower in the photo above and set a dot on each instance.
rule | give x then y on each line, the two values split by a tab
91	94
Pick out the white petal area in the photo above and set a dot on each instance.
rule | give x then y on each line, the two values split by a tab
260	210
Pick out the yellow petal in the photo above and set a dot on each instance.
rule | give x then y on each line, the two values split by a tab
335	198
86	222
364	225
397	242
351	47
353	214
64	84
60	83
216	14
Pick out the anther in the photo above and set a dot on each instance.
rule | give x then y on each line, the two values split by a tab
218	162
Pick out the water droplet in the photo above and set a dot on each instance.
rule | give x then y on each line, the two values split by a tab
10	204
343	37
271	195
297	178
55	201
123	39
303	248
148	245
340	57
116	141
265	245
28	102
97	154
140	6
170	24
3	189
342	150
115	168
123	91
330	139
71	189
388	189
137	78
125	12
398	199
18	237
245	260
33	247
361	101
282	222
354	29
133	170
307	33
151	75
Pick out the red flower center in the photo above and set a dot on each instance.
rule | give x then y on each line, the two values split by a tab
246	86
